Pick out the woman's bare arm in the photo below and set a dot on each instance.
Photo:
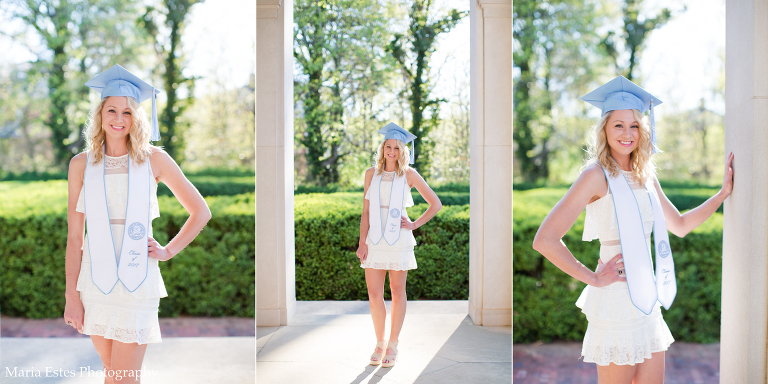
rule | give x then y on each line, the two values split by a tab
73	309
590	185
75	225
682	224
414	179
166	171
366	207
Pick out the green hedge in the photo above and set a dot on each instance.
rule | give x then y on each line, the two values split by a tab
210	182
216	186
544	297
213	276
335	188
327	233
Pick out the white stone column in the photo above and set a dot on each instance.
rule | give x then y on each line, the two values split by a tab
275	251
490	222
744	319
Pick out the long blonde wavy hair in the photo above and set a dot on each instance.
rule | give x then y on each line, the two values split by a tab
401	166
641	159
138	135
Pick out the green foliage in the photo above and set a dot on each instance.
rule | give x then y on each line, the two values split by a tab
355	199
216	186
556	50
334	188
338	46
172	15
213	276
73	52
206	185
32	176
544	296
413	51
327	234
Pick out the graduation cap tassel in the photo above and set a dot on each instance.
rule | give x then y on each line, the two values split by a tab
155	127
413	151
653	130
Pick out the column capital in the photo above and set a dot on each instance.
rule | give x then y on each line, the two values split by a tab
267	9
495	8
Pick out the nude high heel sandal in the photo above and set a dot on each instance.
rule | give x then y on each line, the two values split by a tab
376	357
391	358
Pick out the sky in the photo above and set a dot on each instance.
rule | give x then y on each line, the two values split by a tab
681	62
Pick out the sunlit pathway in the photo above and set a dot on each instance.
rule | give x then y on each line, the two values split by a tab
177	360
331	341
559	363
195	350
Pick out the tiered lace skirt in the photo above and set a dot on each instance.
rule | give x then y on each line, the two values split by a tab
397	257
127	317
618	332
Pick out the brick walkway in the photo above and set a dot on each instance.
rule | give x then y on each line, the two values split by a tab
559	363
169	327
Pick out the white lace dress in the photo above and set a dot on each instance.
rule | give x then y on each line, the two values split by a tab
618	332
128	317
398	256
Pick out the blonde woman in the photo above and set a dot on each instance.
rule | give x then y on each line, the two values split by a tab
113	281
386	237
626	335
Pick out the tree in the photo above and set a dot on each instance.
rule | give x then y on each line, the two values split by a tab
79	37
555	52
636	28
172	16
413	51
338	46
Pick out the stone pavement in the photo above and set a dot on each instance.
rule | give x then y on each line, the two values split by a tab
169	327
331	341
559	363
223	351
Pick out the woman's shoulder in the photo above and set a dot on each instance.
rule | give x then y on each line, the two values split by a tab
78	161
593	178
593	171
158	156
411	173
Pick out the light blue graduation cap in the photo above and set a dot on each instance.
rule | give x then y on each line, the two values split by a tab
620	93
117	81
394	131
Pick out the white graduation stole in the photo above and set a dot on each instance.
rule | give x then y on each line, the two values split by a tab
131	266
392	227
644	288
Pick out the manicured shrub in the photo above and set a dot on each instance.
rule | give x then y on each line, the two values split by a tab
213	276
327	233
544	297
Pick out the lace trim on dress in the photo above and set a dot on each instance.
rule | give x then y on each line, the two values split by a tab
387	176
116	162
626	347
389	265
121	324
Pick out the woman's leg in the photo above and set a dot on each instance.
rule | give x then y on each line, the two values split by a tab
616	374
374	279
104	349
651	371
397	286
126	361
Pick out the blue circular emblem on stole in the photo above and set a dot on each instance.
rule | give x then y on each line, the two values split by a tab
394	212
136	231
664	249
